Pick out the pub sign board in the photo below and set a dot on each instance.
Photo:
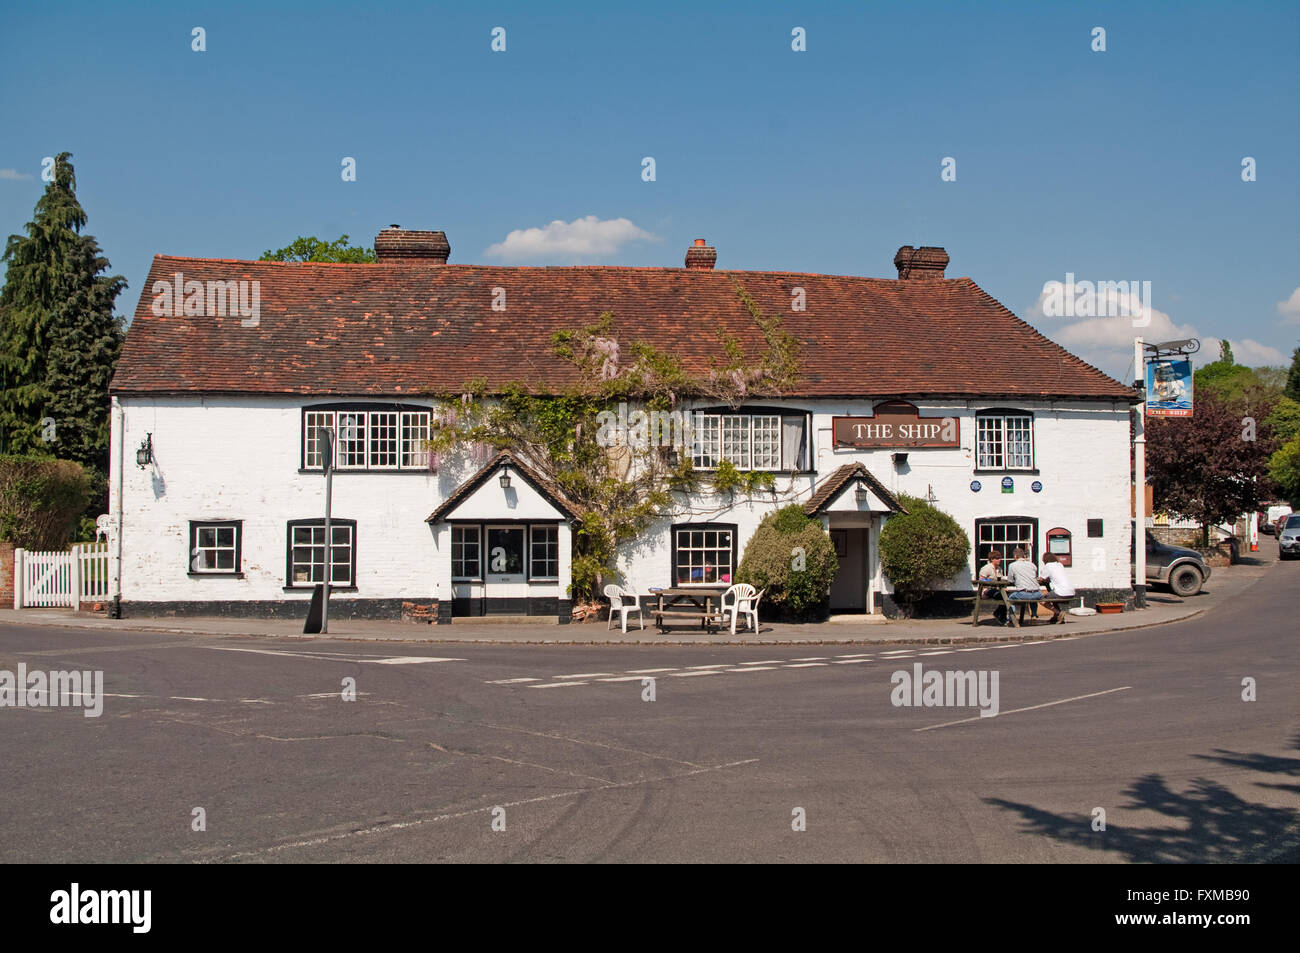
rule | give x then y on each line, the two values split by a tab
896	423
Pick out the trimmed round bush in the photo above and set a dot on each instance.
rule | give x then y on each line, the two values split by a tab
920	548
791	557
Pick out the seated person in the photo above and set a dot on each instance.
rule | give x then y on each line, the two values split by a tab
992	571
1025	585
1058	583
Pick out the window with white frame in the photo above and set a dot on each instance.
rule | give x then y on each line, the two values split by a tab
367	439
1004	441
465	553
214	547
307	556
544	552
703	554
750	441
415	431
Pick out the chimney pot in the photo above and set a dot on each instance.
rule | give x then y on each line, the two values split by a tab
928	261
403	244
701	256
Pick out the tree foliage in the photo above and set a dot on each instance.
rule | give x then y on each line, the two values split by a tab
40	501
1205	467
313	249
59	338
920	548
792	558
1292	388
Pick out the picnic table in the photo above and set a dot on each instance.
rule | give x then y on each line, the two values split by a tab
1003	595
694	602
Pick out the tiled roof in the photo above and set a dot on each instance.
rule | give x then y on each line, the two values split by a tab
835	484
411	328
540	483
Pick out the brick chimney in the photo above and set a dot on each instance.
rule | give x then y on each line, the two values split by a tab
701	255
403	244
924	262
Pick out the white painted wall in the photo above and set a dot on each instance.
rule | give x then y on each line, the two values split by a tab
239	458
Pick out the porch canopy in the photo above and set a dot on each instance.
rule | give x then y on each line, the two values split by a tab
838	494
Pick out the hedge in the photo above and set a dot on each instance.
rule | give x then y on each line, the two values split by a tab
791	557
41	501
920	548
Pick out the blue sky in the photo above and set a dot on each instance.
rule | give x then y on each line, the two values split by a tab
1116	165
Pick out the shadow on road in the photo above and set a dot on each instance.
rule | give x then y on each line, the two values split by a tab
1206	824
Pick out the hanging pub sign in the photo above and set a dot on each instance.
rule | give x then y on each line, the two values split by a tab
1169	387
896	423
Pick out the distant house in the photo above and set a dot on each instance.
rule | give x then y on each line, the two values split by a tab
916	383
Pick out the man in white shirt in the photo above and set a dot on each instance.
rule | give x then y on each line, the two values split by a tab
1057	581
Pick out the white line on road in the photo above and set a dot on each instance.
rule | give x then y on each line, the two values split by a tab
857	655
944	652
586	675
850	661
558	685
1013	711
714	665
512	681
807	665
693	674
623	678
324	657
768	661
814	658
649	671
752	668
400	825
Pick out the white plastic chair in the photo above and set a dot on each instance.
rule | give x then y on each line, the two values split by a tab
741	596
616	596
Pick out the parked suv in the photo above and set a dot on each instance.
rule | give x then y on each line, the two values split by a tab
1182	569
1288	537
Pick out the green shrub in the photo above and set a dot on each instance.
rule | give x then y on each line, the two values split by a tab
797	585
41	501
920	548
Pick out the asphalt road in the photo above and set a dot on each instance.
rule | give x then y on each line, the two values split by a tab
1149	725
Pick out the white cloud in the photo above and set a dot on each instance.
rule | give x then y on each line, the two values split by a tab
583	239
1290	308
13	174
1107	342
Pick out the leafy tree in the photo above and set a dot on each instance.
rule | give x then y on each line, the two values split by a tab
1293	377
1284	468
1203	468
1283	421
792	558
920	548
59	338
313	249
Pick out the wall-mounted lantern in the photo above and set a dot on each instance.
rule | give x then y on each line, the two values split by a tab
144	456
861	494
505	478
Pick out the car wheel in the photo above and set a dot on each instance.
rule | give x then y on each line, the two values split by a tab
1185	580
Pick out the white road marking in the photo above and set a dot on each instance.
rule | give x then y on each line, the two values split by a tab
336	657
850	661
814	658
623	678
982	648
944	652
558	685
586	675
648	671
1013	711
768	661
857	655
513	681
1009	645
807	665
400	825
693	674
753	668
899	652
714	665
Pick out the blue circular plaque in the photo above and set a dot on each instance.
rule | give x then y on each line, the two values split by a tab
1036	487
975	486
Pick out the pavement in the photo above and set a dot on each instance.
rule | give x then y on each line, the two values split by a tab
1163	607
251	750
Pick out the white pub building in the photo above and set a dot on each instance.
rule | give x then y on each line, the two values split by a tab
918	384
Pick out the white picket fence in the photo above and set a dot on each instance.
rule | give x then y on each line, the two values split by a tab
61	579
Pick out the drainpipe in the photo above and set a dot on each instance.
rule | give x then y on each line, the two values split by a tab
119	425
